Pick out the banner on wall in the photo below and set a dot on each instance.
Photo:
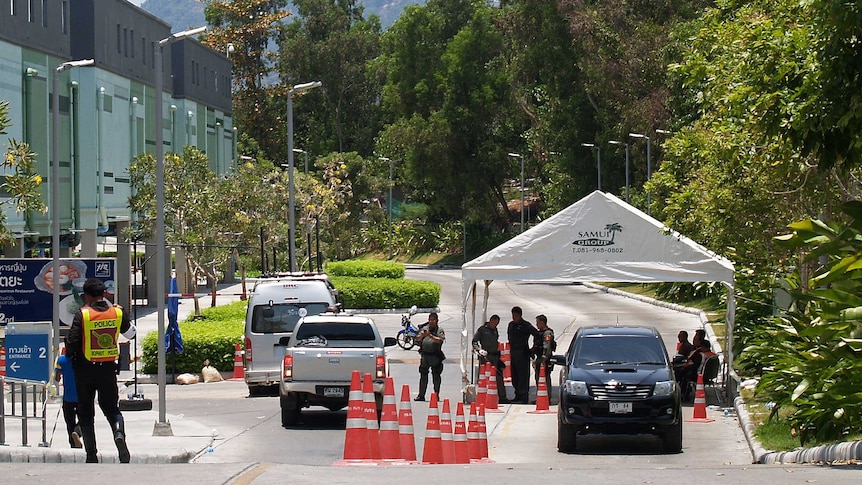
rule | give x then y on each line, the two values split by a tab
27	287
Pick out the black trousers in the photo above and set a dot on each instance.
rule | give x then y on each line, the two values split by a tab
70	415
521	373
97	379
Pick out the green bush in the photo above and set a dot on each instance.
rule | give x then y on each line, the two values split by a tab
213	337
366	269
386	293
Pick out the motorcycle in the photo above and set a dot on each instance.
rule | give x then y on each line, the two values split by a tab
406	337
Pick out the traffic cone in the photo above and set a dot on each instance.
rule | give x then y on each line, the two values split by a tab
3	361
699	403
405	426
356	436
390	437
446	438
483	434
506	357
542	401
492	400
462	453
373	432
238	369
482	390
473	447
432	451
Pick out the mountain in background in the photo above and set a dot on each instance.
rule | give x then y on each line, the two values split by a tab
185	14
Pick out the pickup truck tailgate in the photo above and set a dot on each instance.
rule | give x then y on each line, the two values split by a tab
331	364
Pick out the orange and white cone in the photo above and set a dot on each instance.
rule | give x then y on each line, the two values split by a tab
356	437
542	401
405	425
492	400
462	453
238	369
506	356
371	416
483	435
446	437
390	437
432	451
482	390
474	449
699	403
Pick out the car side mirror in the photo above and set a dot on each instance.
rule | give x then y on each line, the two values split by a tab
389	341
558	359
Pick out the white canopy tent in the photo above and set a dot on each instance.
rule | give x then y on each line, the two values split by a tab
599	238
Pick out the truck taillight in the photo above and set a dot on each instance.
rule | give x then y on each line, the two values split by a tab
287	371
247	350
381	367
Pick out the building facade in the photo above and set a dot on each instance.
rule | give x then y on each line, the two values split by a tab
106	111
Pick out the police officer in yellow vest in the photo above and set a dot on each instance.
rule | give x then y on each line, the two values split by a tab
93	347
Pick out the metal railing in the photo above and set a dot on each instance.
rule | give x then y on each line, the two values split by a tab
18	392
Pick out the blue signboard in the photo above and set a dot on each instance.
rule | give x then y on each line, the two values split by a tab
27	291
27	356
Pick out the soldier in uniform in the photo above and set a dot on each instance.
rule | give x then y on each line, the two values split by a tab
430	339
519	332
543	348
486	343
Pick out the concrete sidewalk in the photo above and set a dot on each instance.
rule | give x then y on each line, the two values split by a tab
189	437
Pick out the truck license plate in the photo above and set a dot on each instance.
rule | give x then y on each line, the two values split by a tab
333	391
621	407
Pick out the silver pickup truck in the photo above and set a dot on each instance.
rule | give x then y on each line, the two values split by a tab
320	358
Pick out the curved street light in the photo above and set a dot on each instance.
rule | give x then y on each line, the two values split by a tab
616	142
648	165
298	88
598	161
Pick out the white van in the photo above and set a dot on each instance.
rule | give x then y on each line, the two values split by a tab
275	305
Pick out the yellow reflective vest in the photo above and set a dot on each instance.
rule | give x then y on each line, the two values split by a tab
101	333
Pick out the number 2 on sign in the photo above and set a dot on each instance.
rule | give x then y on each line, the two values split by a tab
43	353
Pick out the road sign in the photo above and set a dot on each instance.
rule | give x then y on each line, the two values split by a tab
27	356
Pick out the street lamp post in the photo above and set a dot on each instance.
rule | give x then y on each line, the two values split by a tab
162	427
648	166
55	195
615	142
518	155
299	88
389	203
598	161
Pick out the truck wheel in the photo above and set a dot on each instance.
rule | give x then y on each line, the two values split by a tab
567	437
290	410
672	438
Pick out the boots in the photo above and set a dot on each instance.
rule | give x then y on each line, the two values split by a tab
88	433
119	429
75	438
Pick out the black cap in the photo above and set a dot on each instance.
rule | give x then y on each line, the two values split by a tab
94	287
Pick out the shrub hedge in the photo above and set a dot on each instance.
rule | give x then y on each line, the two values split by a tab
212	337
386	293
367	268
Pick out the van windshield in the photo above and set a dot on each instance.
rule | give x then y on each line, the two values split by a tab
281	318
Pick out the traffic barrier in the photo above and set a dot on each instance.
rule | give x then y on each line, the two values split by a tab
356	436
446	438
390	437
492	400
462	453
238	368
405	426
432	451
699	403
473	447
3	361
506	357
483	434
543	402
371	427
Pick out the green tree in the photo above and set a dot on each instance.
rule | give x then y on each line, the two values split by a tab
332	42
21	182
